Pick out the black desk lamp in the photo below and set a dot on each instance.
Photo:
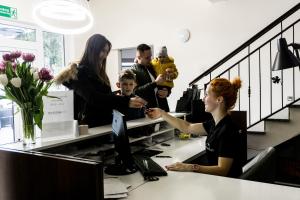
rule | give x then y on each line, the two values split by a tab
285	58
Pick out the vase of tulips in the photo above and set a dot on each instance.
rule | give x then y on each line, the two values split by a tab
25	85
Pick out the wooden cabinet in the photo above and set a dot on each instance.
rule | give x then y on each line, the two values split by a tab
36	176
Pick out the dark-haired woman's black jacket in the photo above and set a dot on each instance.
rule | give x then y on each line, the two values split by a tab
93	100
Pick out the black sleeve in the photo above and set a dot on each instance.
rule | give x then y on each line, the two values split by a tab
143	87
87	90
229	144
207	126
146	88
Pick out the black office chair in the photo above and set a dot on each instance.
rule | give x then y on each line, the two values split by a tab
240	120
261	168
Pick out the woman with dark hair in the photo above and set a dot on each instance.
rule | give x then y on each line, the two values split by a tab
93	98
223	147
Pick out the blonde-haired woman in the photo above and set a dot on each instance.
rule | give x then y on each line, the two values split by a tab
223	140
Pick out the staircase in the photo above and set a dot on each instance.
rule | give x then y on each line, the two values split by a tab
275	130
273	108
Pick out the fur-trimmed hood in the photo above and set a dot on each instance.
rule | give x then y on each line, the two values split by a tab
67	74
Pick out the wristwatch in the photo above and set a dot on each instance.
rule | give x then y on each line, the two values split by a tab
194	167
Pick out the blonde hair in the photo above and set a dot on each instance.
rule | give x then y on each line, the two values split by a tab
227	89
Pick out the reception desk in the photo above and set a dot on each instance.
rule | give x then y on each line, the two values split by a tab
190	185
177	185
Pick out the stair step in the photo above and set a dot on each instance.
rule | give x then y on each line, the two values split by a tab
295	106
256	132
251	153
277	120
283	114
260	127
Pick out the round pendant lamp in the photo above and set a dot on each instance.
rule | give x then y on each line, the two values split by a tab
63	16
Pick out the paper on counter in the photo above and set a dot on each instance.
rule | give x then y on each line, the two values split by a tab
115	196
114	188
60	108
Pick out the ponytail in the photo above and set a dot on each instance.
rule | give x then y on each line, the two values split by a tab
228	90
236	83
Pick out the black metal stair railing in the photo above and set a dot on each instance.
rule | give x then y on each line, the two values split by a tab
259	75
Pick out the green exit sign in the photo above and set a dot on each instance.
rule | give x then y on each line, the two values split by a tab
8	12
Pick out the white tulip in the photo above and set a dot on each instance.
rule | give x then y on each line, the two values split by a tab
33	70
16	82
3	79
35	75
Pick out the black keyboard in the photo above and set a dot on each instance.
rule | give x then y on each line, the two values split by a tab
148	167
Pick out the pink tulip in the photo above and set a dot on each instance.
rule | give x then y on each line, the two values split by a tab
28	57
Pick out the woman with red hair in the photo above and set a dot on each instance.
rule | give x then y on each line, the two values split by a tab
223	139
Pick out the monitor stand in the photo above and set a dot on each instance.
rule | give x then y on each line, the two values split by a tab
119	169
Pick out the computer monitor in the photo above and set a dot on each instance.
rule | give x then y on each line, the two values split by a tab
124	163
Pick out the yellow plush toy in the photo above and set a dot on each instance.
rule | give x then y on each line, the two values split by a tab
163	64
184	136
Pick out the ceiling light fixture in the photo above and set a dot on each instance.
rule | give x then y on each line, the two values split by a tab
63	16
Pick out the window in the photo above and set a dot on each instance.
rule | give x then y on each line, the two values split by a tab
17	33
53	45
6	116
6	121
49	50
127	57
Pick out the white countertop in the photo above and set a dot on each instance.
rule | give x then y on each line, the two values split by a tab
43	143
189	185
180	150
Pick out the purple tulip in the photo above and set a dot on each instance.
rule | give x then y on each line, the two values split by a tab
45	74
15	54
7	57
28	57
2	66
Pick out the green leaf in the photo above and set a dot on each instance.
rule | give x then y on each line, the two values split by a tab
3	97
38	115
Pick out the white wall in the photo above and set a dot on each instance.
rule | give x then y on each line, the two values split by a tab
216	29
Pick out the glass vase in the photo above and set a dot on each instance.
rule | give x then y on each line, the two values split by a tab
28	124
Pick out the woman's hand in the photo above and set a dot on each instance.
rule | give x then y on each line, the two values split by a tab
154	113
180	167
137	102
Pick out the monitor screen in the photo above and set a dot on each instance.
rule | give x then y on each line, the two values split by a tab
121	140
124	162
